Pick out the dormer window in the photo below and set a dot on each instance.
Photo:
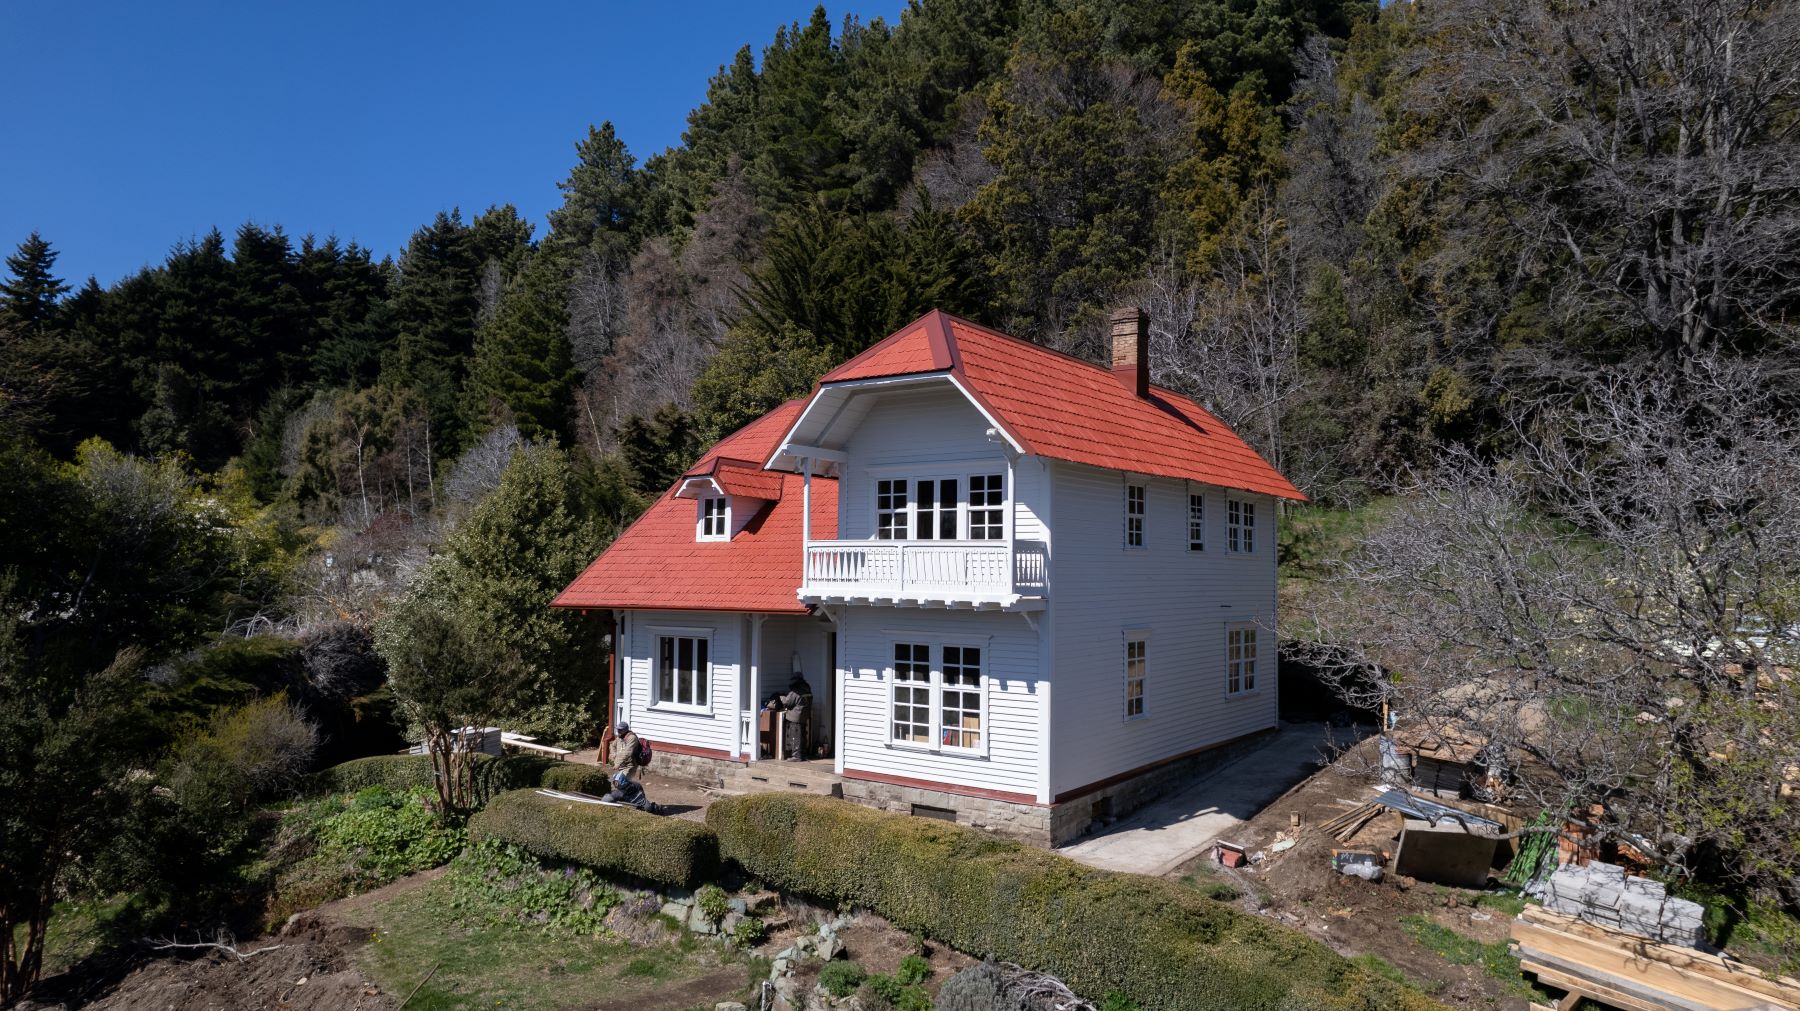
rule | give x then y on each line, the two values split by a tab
715	518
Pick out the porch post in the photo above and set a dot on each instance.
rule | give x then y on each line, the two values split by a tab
805	502
1011	504
755	742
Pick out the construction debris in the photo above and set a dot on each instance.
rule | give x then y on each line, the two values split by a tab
1622	971
1346	825
1432	812
1605	894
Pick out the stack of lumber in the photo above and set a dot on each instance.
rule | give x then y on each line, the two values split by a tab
1623	971
1346	825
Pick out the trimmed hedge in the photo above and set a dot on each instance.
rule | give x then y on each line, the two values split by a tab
666	851
1159	943
492	775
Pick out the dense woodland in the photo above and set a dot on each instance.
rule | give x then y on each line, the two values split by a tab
1431	253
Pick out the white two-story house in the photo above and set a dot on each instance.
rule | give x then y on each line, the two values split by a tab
1017	589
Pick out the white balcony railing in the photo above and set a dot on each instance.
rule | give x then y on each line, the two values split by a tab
947	570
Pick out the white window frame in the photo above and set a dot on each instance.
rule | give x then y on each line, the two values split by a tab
934	651
1196	521
1140	638
1240	665
1143	508
907	516
1240	526
939	676
657	702
912	684
997	508
703	515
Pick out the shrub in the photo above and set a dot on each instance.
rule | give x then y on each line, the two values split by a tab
749	932
913	970
492	775
244	754
840	979
1155	941
884	989
666	851
713	902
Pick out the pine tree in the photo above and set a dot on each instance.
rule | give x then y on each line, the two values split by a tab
521	368
28	299
434	308
602	199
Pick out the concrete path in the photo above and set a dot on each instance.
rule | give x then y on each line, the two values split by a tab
1163	835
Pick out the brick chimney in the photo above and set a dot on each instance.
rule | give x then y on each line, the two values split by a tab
1131	350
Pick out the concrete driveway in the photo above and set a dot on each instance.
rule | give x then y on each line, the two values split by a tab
1161	836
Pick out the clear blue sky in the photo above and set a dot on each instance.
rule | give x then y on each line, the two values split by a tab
131	125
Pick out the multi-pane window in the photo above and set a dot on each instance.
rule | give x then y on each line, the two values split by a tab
1135	665
1134	515
1240	659
1196	522
961	697
934	507
986	493
912	693
890	510
682	671
714	517
1240	526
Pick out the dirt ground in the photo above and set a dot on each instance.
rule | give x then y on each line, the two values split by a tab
307	968
1355	917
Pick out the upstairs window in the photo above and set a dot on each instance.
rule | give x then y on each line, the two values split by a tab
1136	667
1196	522
1134	515
1240	526
891	513
935	510
682	670
987	493
1240	659
715	518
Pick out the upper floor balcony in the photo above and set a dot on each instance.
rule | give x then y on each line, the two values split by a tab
982	574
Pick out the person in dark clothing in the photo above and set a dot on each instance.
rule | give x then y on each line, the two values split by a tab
625	791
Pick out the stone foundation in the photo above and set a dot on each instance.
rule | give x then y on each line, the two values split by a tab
1028	823
1035	824
709	772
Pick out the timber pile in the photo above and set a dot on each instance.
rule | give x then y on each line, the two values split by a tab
1346	825
1620	970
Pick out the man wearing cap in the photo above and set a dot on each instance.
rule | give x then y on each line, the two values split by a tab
625	752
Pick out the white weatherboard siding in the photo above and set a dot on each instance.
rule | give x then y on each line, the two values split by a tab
912	433
1014	685
715	729
1180	600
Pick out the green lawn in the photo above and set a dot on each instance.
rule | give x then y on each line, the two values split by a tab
522	967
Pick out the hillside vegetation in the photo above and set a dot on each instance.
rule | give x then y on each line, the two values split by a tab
1523	273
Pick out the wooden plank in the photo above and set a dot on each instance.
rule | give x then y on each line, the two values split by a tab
1591	989
1629	970
1782	989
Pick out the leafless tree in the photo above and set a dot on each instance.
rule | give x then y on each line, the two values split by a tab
1640	154
1232	341
1614	611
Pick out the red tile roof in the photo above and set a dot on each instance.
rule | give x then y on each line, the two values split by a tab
746	478
657	564
1064	408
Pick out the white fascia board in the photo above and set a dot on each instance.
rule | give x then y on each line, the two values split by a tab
698	487
789	450
1018	447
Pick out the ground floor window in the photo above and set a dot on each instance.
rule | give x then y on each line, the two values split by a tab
683	670
1136	665
1240	659
939	696
961	709
912	693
